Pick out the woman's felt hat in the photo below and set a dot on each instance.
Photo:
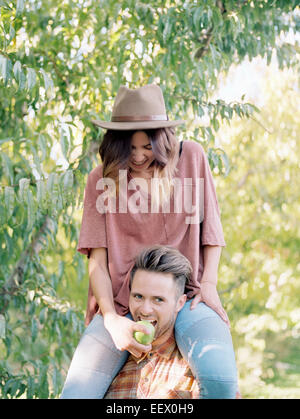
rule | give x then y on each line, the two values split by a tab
142	108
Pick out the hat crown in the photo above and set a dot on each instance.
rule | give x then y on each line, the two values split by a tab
145	101
138	109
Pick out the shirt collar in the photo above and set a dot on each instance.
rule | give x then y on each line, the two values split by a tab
165	350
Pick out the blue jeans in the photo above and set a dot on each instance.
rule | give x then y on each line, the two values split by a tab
203	339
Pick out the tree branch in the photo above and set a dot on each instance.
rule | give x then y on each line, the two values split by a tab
16	278
205	44
237	284
209	33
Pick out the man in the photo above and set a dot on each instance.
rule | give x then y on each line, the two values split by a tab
157	285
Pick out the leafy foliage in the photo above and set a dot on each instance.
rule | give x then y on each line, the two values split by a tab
61	64
260	267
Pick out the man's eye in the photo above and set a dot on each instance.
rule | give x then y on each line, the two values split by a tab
137	296
158	299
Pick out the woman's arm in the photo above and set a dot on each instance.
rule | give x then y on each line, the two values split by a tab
208	283
102	290
211	259
120	328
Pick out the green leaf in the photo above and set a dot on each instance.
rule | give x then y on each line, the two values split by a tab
34	329
2	326
30	210
167	30
55	379
9	196
74	322
50	182
36	159
31	78
65	138
41	194
23	188
53	189
30	387
21	389
12	33
229	112
197	19
226	163
43	383
43	315
213	158
68	180
48	83
19	75
5	68
42	143
20	7
269	55
215	124
8	167
17	69
11	386
200	111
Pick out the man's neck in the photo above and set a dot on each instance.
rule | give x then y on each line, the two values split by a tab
161	340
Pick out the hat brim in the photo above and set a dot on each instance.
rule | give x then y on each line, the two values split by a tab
126	126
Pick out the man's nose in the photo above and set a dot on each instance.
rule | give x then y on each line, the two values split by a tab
146	308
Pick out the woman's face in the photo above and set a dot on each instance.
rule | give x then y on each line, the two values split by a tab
141	155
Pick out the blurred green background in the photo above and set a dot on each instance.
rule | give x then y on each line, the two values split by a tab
231	69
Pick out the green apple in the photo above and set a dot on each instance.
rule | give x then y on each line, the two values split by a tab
143	338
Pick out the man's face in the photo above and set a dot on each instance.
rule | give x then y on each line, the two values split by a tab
153	297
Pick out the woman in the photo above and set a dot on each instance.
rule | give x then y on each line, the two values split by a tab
124	212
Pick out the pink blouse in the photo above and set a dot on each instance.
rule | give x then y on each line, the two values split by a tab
126	233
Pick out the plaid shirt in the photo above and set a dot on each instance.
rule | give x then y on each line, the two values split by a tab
161	374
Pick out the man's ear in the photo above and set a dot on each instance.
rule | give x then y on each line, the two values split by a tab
180	302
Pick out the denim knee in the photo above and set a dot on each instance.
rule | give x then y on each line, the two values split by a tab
204	340
217	388
95	363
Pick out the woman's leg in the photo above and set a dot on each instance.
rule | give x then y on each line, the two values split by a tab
204	340
95	363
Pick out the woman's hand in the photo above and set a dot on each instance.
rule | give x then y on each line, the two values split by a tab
209	295
91	308
121	330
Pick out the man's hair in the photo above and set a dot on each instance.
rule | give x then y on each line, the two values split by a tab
166	260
